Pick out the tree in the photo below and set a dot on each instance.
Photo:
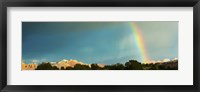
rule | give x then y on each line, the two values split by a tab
62	68
81	67
69	68
46	66
133	65
55	68
95	67
117	66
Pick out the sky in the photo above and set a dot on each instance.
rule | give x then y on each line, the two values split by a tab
97	42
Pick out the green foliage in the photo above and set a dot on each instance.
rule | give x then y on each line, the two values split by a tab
81	67
46	66
62	68
95	67
131	65
171	65
69	68
117	66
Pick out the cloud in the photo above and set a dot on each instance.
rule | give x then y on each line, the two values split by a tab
35	61
38	60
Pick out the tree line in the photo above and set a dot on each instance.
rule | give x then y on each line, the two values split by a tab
130	65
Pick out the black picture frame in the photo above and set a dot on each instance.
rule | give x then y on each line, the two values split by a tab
99	3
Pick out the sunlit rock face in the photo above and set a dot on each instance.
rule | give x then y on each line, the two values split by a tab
101	65
23	66
31	66
67	63
63	63
165	60
160	61
71	63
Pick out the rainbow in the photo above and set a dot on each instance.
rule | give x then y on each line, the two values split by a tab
139	42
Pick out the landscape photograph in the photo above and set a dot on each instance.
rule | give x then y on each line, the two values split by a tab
109	45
